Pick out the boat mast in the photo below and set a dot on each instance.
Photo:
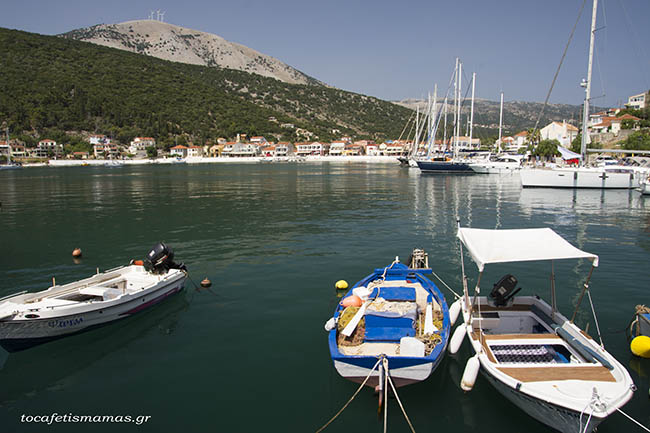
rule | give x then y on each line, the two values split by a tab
417	130
471	115
444	134
457	114
587	85
500	124
8	146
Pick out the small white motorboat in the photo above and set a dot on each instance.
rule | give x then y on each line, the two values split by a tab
529	351
28	319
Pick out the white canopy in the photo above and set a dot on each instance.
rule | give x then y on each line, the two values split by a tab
567	154
502	246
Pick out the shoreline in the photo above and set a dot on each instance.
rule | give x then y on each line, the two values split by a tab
214	160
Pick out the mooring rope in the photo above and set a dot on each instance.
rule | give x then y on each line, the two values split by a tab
634	421
446	285
400	403
351	398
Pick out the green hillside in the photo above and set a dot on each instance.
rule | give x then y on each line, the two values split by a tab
51	86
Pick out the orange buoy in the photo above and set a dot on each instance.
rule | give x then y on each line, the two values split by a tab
206	282
76	252
138	262
351	301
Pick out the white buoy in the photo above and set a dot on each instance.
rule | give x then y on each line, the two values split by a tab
454	310
470	373
457	339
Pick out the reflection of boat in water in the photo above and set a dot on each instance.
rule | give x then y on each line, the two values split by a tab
29	319
51	365
501	164
401	316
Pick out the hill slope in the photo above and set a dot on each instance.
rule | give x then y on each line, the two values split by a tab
178	44
55	83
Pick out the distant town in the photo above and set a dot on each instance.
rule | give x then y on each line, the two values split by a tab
606	126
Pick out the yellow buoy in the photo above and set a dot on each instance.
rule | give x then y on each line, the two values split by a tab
341	285
640	346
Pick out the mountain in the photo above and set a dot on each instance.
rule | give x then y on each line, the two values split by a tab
179	44
59	87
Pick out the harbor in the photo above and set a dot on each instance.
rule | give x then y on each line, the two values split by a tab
274	239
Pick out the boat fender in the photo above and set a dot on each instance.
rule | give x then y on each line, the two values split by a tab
351	301
330	324
137	262
341	285
454	310
640	346
457	339
470	373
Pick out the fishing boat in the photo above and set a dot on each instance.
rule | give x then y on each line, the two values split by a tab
29	319
397	314
531	353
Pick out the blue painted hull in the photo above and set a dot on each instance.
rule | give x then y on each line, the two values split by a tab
403	369
444	167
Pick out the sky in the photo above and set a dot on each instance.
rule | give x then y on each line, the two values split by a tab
399	49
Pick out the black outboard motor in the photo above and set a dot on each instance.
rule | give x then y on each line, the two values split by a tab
504	290
161	259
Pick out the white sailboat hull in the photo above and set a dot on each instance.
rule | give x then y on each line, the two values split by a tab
599	178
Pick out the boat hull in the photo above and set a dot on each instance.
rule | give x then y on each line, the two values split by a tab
554	416
16	335
576	178
444	167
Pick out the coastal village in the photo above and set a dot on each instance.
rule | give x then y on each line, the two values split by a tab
606	126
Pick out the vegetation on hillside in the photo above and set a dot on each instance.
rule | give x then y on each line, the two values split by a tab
52	86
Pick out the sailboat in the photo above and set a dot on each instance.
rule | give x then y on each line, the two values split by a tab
454	164
531	353
609	177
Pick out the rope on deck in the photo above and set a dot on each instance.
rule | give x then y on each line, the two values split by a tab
351	398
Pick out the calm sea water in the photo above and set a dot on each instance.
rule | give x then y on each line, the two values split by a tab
250	354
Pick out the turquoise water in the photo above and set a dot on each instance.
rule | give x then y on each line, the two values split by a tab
251	354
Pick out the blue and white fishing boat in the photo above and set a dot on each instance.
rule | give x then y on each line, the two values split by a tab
400	316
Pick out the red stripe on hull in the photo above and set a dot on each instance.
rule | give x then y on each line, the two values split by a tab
152	302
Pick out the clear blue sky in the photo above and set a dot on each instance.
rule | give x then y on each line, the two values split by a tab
399	49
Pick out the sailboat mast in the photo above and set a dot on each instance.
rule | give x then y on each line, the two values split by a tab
444	133
457	129
585	114
500	123
8	147
471	116
417	130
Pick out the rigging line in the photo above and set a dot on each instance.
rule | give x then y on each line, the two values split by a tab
351	398
557	72
636	39
406	124
445	284
595	319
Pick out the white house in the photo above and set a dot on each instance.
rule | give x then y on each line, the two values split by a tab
99	139
282	149
337	148
638	102
105	149
315	148
178	151
372	149
46	146
140	144
195	151
245	149
560	131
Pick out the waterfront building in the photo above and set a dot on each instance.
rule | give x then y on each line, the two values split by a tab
313	149
337	148
140	144
245	150
195	151
283	148
560	131
47	146
179	151
99	139
107	150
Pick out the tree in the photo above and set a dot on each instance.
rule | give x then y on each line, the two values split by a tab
639	140
152	152
547	148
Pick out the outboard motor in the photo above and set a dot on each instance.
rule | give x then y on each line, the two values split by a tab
504	290
161	259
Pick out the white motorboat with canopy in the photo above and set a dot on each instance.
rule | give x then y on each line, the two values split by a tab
529	351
